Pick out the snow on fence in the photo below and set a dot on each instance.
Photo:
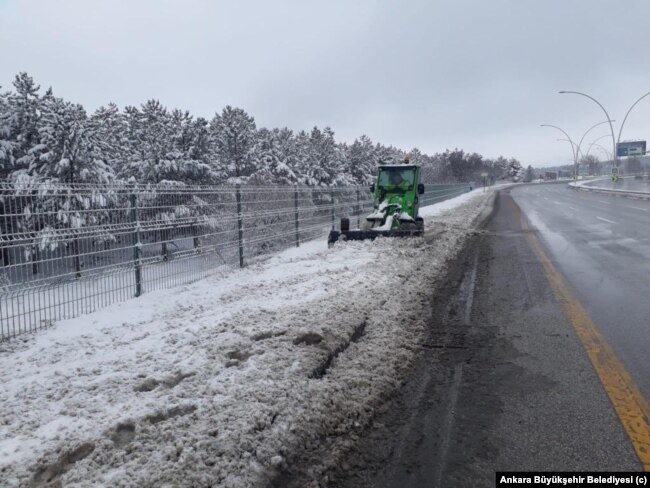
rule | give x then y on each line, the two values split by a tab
67	250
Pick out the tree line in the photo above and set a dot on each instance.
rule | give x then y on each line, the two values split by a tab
47	138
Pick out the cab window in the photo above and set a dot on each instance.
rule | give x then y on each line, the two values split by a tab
396	177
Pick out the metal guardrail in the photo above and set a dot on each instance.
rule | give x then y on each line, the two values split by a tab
66	250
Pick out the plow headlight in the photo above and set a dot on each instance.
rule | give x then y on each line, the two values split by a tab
409	203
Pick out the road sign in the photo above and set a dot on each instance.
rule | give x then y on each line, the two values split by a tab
630	148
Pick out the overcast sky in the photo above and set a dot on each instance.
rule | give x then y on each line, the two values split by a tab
474	74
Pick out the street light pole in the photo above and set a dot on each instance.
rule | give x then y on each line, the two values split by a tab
570	141
588	131
576	155
615	141
611	127
628	113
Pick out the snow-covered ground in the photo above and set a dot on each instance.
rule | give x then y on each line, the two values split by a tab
225	381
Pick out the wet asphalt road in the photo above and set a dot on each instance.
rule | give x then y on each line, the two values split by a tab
504	383
601	244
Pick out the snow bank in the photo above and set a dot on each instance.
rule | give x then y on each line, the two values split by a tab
226	381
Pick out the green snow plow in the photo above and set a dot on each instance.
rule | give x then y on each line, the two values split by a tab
395	198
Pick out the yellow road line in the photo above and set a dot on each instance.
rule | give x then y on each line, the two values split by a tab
629	403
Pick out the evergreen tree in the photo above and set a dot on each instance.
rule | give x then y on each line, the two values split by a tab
184	159
199	149
233	139
529	175
49	138
303	154
289	151
19	125
6	144
415	156
268	160
109	130
361	161
324	158
514	169
68	149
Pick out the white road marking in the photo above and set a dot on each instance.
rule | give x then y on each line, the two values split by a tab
572	208
605	220
638	208
603	201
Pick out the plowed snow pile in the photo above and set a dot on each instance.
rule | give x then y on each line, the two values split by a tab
226	381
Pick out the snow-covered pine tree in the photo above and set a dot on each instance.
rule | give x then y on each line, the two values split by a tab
515	169
6	144
324	158
199	149
63	156
233	135
415	156
529	175
270	167
184	161
109	130
20	122
148	139
6	166
303	152
388	154
155	134
361	161
501	166
68	150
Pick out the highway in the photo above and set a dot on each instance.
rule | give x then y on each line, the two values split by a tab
537	359
601	244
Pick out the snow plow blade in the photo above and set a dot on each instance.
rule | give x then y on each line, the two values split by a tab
360	235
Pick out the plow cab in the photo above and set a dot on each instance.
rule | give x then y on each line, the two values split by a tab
395	197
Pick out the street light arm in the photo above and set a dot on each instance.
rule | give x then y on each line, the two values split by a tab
628	113
588	131
611	127
607	153
594	142
567	140
567	136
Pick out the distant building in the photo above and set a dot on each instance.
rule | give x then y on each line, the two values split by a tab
550	175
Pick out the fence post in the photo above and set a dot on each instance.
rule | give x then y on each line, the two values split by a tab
4	229
77	260
195	237
240	227
333	217
295	205
163	244
358	208
35	259
136	244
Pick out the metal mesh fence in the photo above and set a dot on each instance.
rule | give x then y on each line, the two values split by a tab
67	250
